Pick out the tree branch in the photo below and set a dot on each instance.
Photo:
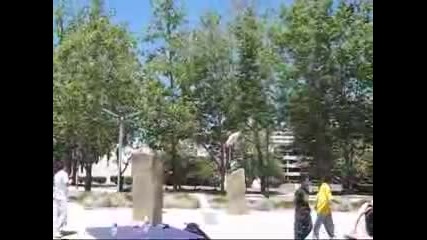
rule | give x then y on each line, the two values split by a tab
125	167
211	153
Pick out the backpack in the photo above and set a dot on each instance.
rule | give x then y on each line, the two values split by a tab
194	228
369	220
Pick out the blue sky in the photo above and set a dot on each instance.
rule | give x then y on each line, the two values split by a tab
137	13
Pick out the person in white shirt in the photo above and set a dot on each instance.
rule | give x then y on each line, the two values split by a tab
60	197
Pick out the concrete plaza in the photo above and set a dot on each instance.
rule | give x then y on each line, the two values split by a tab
255	225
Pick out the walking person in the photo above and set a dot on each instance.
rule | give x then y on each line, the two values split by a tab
302	222
60	197
323	209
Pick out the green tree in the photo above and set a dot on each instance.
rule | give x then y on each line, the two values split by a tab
66	20
211	86
254	96
95	66
168	114
331	54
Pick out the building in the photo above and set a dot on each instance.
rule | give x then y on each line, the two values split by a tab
282	145
288	155
108	168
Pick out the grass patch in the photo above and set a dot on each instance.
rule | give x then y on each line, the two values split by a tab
104	200
180	200
187	201
91	200
219	199
283	204
218	202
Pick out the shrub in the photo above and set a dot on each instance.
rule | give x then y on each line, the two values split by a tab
217	202
87	202
219	199
106	200
100	202
180	200
120	200
283	204
125	180
365	188
99	180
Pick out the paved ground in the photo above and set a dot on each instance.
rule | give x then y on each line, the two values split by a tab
74	191
256	225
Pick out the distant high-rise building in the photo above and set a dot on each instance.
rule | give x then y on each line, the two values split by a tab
288	155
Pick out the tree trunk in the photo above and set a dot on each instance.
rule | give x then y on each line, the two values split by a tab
175	170
267	163
88	178
69	161
222	169
74	173
119	172
174	176
261	165
323	167
348	184
349	168
68	165
222	181
122	172
324	157
122	179
263	185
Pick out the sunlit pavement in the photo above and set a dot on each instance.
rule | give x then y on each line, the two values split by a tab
256	225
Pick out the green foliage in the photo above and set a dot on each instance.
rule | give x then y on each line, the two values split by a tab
202	170
331	51
114	200
95	67
210	85
310	67
181	200
255	99
169	114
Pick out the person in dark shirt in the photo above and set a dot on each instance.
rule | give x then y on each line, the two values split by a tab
303	223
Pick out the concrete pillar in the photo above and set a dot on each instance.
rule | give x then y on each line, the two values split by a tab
147	185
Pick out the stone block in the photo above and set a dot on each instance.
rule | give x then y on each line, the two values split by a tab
236	190
147	186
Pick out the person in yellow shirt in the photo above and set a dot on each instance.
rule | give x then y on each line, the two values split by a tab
323	209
